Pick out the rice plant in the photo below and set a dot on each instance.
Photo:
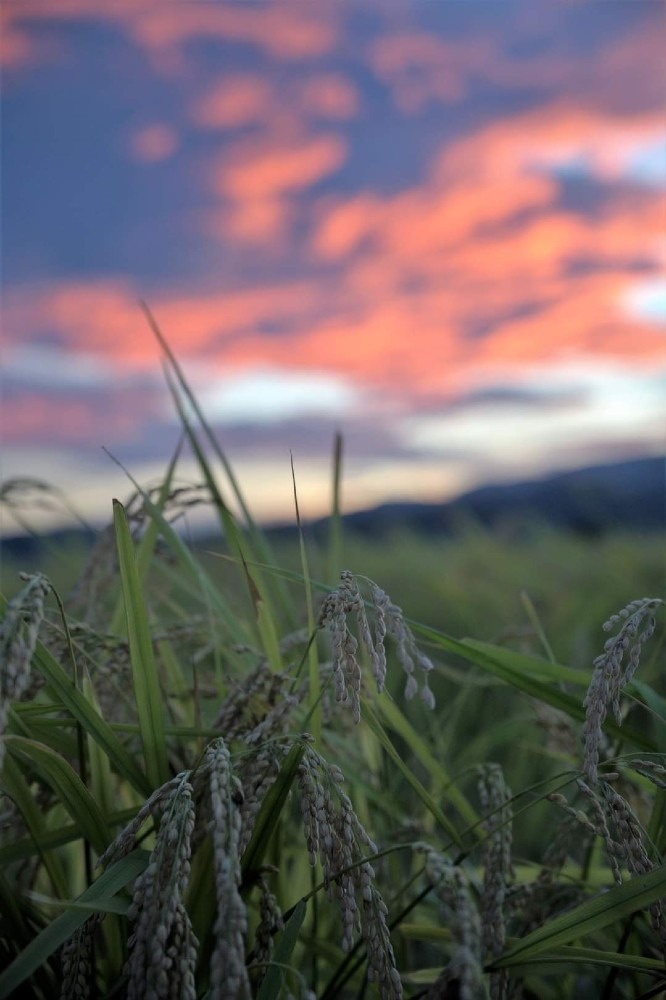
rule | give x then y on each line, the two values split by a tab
287	788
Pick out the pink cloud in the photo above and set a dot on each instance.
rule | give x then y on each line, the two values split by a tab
261	169
293	31
258	183
419	67
153	143
242	99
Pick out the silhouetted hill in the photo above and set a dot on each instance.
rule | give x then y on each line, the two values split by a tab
626	495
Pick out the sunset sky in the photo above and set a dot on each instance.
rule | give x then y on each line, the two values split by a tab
436	227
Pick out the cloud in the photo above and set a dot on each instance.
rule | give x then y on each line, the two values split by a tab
20	49
153	143
47	366
646	301
607	413
444	280
54	418
295	31
419	67
239	100
257	180
261	169
266	395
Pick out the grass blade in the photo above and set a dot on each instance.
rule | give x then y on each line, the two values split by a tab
273	981
61	686
101	892
620	901
269	813
71	791
397	721
375	725
144	672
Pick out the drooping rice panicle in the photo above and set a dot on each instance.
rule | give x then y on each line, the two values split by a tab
465	967
163	947
270	921
612	673
19	630
75	955
228	972
651	769
389	620
495	801
335	836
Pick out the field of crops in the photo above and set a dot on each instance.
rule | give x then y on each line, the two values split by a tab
412	768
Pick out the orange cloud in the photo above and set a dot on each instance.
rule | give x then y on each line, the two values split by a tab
479	267
329	95
239	99
420	67
261	169
66	420
154	143
242	99
293	31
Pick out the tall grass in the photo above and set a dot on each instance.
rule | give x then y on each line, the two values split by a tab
289	786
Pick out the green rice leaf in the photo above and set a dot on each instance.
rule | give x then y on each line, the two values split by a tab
335	522
100	894
270	811
375	725
593	915
273	981
147	691
573	955
441	780
42	841
14	785
506	665
66	783
61	686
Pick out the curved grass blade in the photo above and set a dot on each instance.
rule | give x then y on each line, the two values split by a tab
66	783
269	813
144	672
314	687
257	537
593	915
501	662
100	894
211	593
47	840
61	686
273	981
146	547
397	721
13	784
375	725
335	522
573	955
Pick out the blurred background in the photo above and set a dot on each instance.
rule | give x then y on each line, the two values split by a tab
435	228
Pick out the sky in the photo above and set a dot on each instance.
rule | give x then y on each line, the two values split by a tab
437	228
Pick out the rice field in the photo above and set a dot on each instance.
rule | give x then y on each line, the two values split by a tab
426	769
